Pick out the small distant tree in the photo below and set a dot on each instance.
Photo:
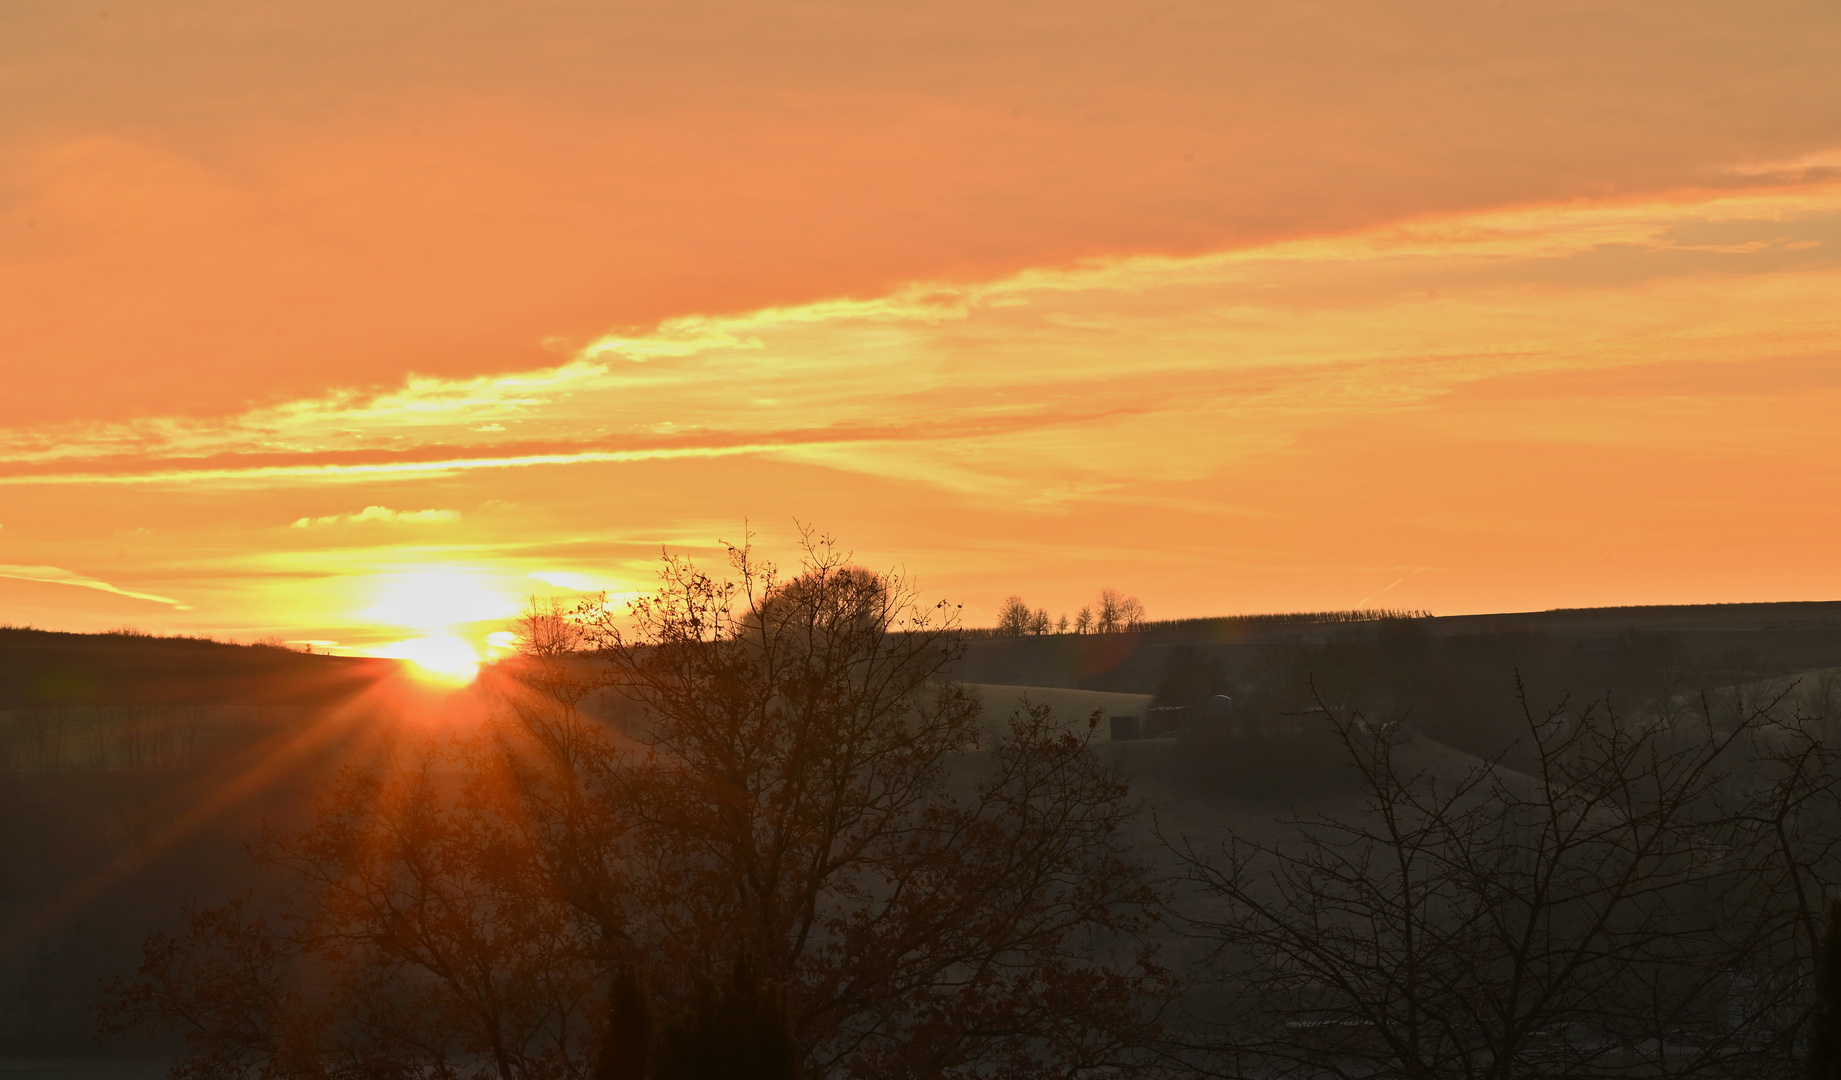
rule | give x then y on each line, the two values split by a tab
1014	618
1117	613
1039	623
551	636
1106	612
1083	622
1061	625
548	628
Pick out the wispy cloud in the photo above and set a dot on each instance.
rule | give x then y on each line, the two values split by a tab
269	475
380	513
58	576
569	579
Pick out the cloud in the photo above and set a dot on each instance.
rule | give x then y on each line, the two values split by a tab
673	338
854	156
1012	386
58	576
427	397
379	513
565	579
270	475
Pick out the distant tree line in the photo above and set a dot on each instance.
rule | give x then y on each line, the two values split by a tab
1017	619
1113	613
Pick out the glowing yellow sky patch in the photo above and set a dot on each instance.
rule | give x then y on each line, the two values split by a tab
569	579
436	599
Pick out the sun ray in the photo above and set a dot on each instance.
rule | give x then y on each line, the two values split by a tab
354	722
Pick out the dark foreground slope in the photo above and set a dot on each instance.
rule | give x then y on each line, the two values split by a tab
1765	639
134	771
43	668
1459	679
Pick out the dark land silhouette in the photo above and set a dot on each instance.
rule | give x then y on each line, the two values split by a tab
134	771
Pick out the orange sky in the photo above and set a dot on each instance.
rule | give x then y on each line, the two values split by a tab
348	322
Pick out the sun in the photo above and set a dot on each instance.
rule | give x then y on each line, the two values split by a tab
438	605
441	659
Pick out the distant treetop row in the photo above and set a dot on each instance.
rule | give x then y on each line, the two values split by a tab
1116	613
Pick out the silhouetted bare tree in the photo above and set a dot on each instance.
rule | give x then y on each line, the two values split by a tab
1117	613
1014	617
796	785
1647	898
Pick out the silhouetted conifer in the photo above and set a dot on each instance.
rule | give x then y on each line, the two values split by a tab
736	1033
627	1041
1825	1027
